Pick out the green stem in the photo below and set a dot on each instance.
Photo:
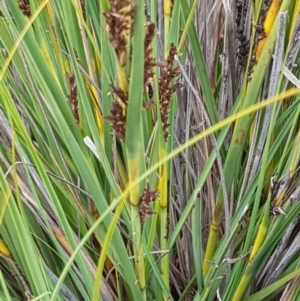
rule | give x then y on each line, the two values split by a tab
138	249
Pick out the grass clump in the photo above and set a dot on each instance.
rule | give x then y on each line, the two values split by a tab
149	151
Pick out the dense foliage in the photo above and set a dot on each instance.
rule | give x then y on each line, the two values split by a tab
149	150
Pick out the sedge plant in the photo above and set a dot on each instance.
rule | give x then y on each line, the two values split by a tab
149	150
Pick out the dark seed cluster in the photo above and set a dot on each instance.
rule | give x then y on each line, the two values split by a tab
119	21
149	64
167	88
118	113
242	41
72	97
25	7
145	200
